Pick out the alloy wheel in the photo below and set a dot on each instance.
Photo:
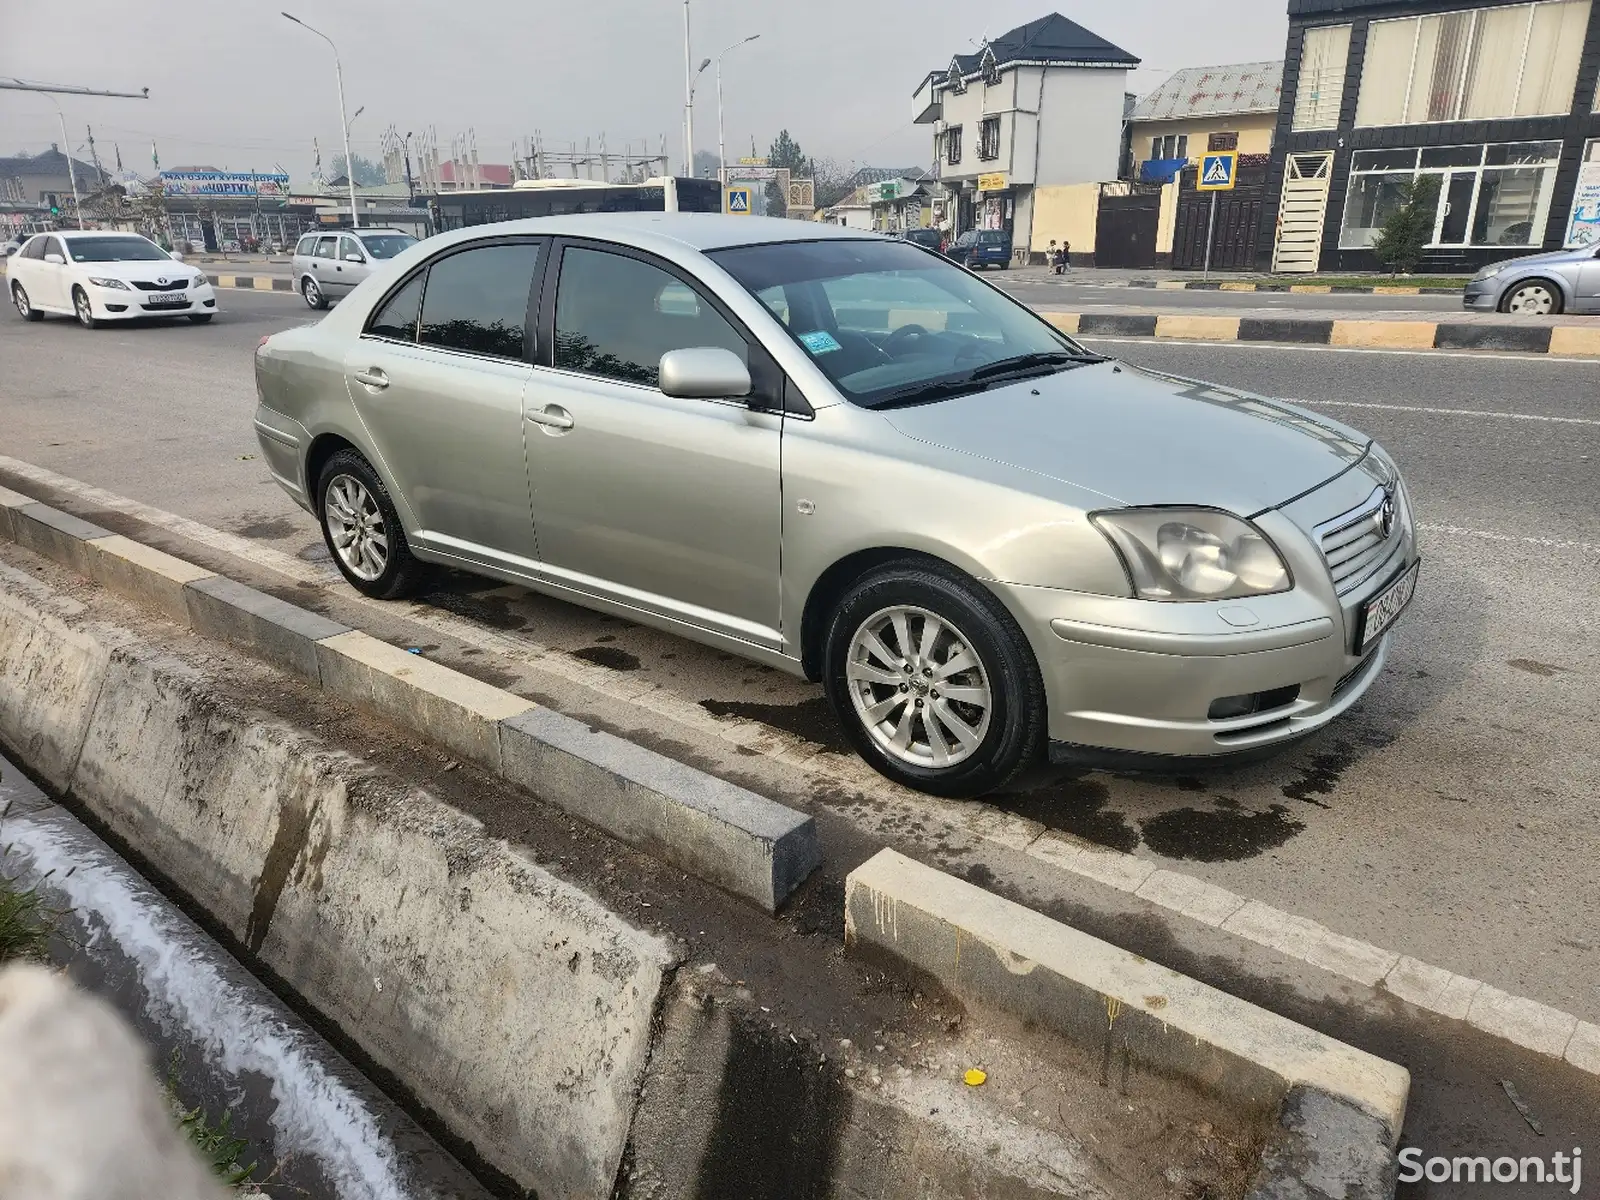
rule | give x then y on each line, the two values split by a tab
356	528
312	294
1533	300
918	687
20	299
80	305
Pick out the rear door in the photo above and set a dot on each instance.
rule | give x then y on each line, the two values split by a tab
438	376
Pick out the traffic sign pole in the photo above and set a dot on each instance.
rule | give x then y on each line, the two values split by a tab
1211	225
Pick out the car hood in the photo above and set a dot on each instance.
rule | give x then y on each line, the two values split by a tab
1553	256
175	273
1138	437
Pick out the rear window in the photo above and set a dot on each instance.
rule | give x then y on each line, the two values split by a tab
992	237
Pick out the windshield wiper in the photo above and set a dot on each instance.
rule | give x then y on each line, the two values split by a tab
926	393
1033	362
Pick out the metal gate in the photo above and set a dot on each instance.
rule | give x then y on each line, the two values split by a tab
1301	212
1125	230
1233	242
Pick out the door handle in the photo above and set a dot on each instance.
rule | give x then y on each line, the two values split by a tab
373	378
551	417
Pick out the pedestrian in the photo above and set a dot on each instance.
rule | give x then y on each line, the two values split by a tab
1050	255
1063	257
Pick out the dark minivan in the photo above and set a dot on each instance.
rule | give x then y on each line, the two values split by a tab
978	248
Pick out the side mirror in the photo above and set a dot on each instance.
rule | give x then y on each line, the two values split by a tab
704	373
355	258
55	258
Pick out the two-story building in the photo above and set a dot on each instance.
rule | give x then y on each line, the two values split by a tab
1197	109
44	180
1039	106
1495	101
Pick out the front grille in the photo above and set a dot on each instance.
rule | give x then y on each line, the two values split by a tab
1354	544
175	285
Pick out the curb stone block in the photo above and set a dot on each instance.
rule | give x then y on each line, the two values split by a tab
60	537
269	628
144	575
718	831
10	501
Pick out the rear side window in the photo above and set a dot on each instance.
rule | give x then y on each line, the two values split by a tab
35	248
397	318
477	300
616	317
307	245
326	246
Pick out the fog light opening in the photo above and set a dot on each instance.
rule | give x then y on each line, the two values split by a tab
1230	708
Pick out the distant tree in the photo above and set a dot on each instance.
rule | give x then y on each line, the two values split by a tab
832	179
706	164
1406	230
785	152
367	172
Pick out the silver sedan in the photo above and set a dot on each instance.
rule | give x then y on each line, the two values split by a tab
851	459
1539	284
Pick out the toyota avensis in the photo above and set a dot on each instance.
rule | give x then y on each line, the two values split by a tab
849	458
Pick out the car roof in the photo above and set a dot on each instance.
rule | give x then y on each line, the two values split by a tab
73	234
696	231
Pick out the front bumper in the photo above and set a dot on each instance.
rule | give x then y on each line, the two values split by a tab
115	304
1481	295
1130	677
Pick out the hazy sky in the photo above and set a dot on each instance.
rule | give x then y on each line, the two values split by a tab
235	85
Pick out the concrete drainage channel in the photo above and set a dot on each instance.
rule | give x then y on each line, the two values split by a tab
556	1045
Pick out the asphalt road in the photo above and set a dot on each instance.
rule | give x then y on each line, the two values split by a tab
1450	817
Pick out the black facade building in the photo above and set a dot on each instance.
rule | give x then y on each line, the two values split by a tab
1498	100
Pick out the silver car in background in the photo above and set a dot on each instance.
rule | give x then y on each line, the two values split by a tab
328	266
846	457
1539	284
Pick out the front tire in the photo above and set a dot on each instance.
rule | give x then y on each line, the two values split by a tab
313	294
933	681
362	529
83	309
1532	298
25	308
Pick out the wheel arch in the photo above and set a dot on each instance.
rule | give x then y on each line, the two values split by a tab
1555	283
322	448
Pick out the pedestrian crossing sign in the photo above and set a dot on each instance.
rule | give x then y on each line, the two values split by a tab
1218	171
736	200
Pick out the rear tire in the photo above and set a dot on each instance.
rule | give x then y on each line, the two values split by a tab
362	530
1532	298
25	308
887	671
312	294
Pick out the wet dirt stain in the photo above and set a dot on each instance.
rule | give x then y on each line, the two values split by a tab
1321	774
1075	806
316	552
810	719
1532	667
493	611
608	656
268	530
606	637
1227	833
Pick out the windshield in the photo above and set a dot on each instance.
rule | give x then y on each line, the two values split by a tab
114	249
889	323
386	245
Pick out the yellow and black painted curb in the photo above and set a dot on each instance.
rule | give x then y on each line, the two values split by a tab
259	283
1570	340
1305	289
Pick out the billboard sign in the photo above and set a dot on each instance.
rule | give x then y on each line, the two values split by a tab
223	183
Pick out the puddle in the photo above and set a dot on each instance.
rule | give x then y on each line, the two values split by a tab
810	719
316	552
614	657
1320	775
1227	833
1075	806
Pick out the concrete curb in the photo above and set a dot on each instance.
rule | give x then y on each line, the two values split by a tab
992	952
1565	340
727	835
257	283
1304	289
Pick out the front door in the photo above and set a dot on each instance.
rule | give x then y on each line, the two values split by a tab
350	268
322	260
441	398
663	504
51	291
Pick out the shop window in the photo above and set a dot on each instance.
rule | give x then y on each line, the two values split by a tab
1490	63
1324	51
989	138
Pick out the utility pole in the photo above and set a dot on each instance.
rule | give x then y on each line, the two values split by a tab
51	90
688	97
349	163
722	148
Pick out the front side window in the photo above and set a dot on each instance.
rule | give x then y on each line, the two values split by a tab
327	247
53	246
888	323
386	245
616	316
397	319
349	246
477	300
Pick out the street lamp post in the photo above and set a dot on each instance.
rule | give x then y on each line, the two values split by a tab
344	124
722	148
77	204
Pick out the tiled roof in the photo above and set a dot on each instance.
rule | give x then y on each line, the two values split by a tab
1214	92
1051	38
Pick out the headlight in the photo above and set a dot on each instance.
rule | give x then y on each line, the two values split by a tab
1490	271
1193	554
199	281
114	284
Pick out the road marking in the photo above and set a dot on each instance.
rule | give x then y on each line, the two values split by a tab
1448	412
1486	535
1538	1027
1310	348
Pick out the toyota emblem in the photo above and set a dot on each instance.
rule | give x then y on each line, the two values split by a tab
162	280
1386	515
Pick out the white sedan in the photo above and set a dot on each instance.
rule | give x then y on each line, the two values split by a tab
105	277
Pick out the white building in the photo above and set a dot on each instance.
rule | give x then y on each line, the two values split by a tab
1040	106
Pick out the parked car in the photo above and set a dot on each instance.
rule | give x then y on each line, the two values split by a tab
328	266
930	239
101	277
1539	284
11	247
978	248
844	457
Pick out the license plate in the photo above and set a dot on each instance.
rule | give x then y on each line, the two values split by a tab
1382	610
156	298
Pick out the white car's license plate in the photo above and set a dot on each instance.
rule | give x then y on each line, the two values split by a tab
1382	610
166	298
